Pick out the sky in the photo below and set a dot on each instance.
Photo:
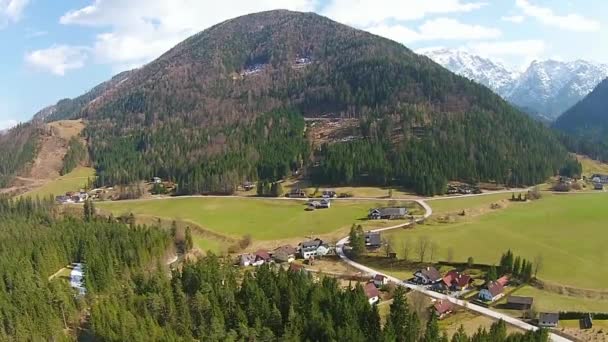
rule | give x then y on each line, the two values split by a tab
54	49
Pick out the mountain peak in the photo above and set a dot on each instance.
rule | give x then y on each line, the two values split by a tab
547	87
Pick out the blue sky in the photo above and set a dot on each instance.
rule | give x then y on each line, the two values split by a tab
53	49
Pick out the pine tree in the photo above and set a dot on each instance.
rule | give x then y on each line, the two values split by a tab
188	239
432	329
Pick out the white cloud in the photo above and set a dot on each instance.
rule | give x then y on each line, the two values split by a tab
138	31
571	22
6	124
513	19
364	13
58	59
436	29
11	11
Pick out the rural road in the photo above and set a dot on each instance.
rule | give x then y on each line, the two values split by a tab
479	309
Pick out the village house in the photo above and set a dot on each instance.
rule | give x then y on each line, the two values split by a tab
322	204
443	308
456	281
285	253
247	186
329	194
598	186
599	178
427	276
372	293
373	239
246	259
380	280
312	248
492	292
387	213
548	320
519	303
261	257
297	193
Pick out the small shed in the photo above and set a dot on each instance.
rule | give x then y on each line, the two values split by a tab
548	320
519	303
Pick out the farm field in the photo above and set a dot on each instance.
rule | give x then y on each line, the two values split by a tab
262	219
73	181
568	231
442	205
545	301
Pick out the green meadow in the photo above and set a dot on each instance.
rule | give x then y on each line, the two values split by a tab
570	232
72	181
262	219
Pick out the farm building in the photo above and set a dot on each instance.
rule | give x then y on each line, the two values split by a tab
372	293
329	194
492	292
519	303
548	320
373	239
427	276
246	259
297	193
443	308
387	213
285	253
599	178
261	256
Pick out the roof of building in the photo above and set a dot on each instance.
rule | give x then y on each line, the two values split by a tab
311	243
503	281
373	238
262	254
371	290
548	317
454	277
443	306
495	288
520	300
391	211
431	273
286	249
379	277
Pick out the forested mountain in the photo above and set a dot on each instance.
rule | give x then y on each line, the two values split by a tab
18	147
586	124
71	108
226	105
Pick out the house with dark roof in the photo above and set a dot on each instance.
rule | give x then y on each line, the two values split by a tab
492	292
297	193
313	248
427	276
456	281
519	303
372	293
380	280
387	213
373	239
261	256
548	320
329	194
285	253
443	308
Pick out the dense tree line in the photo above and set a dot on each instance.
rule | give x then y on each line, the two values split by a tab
507	150
201	160
34	245
18	147
76	154
207	300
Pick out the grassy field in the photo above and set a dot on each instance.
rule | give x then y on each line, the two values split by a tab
545	301
442	205
591	166
569	231
73	181
262	219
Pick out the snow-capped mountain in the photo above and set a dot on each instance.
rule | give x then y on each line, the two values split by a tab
482	70
546	89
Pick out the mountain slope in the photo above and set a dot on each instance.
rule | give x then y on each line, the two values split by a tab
589	117
546	88
226	105
482	70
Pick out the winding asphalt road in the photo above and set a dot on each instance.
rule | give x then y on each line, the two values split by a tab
479	309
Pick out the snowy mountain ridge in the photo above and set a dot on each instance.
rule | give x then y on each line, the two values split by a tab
547	88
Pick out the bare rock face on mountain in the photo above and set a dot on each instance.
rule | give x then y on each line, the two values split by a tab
545	89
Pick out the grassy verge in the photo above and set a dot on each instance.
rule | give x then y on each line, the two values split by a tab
545	301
